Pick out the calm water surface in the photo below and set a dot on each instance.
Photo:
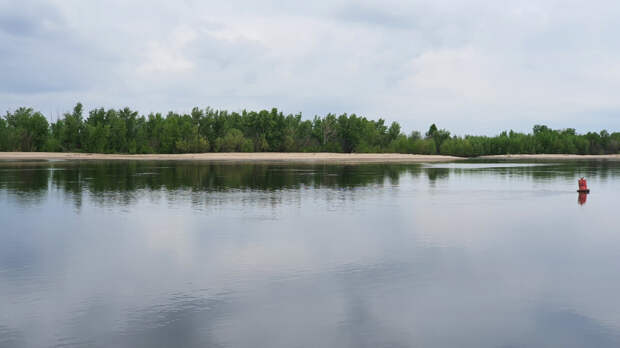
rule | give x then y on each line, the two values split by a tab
183	254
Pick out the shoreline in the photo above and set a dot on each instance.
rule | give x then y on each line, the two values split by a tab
237	157
286	157
553	157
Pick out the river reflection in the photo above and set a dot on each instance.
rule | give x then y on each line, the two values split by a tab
121	183
190	254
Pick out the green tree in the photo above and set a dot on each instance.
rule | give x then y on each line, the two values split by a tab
3	135
438	136
125	131
25	130
73	129
234	141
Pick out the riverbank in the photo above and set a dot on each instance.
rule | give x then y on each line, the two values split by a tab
553	157
238	157
288	157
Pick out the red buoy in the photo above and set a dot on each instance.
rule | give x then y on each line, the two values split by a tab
583	186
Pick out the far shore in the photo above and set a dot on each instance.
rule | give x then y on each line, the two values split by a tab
553	157
238	157
288	157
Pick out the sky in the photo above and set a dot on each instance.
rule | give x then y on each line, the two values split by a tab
473	67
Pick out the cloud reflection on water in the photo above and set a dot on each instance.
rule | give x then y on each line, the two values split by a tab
264	256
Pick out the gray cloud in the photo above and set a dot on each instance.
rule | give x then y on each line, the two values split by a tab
470	66
379	15
42	53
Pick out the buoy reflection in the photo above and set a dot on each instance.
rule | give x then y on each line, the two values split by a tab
583	197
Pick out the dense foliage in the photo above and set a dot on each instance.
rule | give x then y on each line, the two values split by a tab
125	131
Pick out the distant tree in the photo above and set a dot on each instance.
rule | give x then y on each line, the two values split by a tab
394	131
3	135
432	130
25	130
438	136
325	130
415	135
73	129
126	131
233	141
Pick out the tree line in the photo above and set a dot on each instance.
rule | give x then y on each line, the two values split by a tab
209	130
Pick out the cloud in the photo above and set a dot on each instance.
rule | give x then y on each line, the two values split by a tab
365	14
470	66
168	56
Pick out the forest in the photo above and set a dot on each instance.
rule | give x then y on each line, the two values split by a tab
209	130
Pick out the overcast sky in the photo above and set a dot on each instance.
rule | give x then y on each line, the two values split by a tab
469	66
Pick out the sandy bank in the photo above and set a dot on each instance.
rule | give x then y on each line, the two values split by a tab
554	157
235	157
